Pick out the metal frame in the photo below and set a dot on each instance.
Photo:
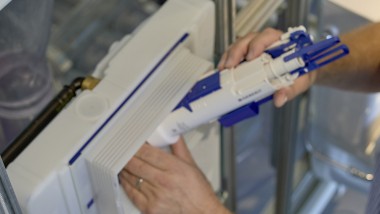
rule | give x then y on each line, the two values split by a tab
8	200
225	35
286	139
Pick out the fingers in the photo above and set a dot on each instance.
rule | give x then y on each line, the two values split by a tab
222	62
133	194
261	42
252	46
249	47
236	52
300	85
154	156
143	186
180	150
280	98
143	169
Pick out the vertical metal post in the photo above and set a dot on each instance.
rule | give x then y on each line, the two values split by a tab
297	13
8	200
286	122
225	35
285	126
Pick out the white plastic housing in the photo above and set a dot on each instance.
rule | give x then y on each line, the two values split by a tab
247	83
73	165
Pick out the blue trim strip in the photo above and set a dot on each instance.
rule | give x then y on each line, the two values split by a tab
205	86
318	54
90	203
202	88
242	113
76	156
300	38
239	114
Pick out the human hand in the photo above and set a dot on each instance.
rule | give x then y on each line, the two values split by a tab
172	183
252	46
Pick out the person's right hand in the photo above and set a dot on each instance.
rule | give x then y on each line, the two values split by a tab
165	183
253	45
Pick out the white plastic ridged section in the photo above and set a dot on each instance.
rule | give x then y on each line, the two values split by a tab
136	122
254	15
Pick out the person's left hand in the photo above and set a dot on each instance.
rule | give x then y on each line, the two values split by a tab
171	183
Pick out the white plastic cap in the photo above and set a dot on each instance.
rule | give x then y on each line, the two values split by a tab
160	138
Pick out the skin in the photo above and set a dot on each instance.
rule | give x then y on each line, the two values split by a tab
359	71
172	181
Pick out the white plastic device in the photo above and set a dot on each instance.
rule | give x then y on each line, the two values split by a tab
234	94
72	166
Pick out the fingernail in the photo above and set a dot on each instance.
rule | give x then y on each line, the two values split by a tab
220	65
283	101
249	56
228	63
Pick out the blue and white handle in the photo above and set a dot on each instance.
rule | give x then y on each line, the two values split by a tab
233	95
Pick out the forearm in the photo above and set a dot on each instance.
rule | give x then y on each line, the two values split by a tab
360	70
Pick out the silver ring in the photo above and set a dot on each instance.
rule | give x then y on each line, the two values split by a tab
139	181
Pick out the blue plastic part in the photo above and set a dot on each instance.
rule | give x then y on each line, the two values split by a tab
318	54
154	69
243	113
90	203
299	38
239	114
313	49
202	88
315	55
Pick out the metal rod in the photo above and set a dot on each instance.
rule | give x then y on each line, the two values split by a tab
286	122
286	136
225	35
41	121
296	13
8	200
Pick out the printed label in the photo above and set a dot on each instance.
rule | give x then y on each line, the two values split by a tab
250	95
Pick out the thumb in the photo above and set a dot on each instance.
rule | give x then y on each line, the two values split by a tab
288	93
181	151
